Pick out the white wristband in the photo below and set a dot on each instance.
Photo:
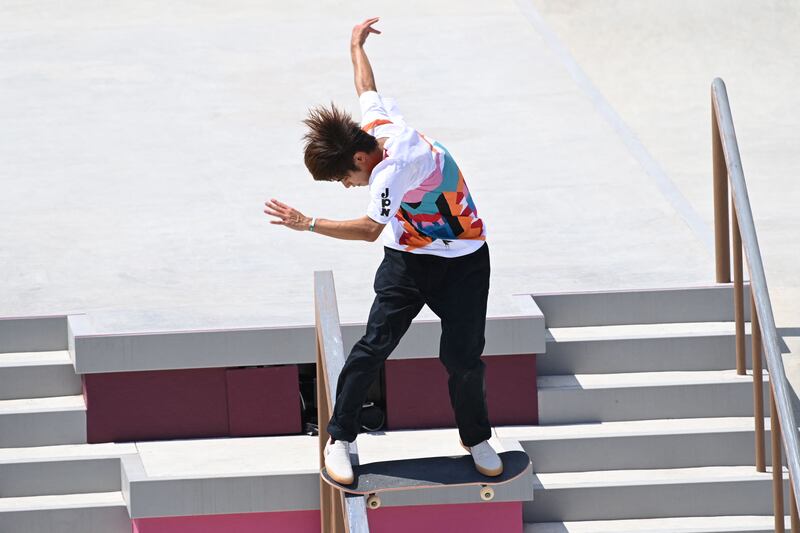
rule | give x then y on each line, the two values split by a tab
313	221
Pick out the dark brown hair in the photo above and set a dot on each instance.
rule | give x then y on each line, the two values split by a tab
333	139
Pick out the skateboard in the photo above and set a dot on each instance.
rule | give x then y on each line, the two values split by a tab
371	479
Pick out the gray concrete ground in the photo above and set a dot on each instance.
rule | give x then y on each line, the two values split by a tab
140	141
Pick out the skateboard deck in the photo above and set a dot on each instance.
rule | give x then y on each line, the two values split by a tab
370	479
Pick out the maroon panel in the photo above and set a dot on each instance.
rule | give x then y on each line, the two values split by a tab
511	390
417	397
263	401
158	404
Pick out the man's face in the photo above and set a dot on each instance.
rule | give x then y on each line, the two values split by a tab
356	178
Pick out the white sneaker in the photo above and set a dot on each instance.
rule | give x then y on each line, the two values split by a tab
486	459
337	461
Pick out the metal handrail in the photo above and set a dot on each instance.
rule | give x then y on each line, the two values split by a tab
338	513
726	150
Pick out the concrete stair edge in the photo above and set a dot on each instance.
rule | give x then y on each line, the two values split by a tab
696	303
704	524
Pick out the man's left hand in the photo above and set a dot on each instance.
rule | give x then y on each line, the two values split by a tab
362	31
287	216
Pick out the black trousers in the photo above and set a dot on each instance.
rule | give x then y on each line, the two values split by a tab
456	290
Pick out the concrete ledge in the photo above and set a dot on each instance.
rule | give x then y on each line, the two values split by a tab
148	496
271	474
33	333
221	476
518	329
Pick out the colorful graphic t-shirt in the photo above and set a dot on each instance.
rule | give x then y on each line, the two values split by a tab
418	190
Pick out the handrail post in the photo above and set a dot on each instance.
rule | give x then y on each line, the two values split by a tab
738	294
758	386
338	514
721	243
330	510
777	462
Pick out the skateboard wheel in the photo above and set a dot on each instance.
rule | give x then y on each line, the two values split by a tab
373	502
487	493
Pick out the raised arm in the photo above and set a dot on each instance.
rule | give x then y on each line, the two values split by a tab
364	79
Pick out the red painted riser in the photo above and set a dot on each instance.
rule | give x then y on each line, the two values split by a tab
417	397
279	522
191	403
503	517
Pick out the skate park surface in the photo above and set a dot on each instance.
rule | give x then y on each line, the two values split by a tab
141	141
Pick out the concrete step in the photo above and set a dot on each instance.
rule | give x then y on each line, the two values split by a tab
584	398
701	303
699	524
639	444
65	469
42	421
102	512
652	493
33	334
610	349
37	375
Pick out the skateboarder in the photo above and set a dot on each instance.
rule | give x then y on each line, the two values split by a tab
435	253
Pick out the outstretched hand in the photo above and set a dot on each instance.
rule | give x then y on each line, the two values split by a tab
287	216
362	31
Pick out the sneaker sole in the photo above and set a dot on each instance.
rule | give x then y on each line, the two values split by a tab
338	479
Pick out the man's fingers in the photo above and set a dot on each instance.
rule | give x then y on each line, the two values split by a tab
274	213
287	216
366	25
278	207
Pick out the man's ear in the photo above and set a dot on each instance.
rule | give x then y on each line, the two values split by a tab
359	158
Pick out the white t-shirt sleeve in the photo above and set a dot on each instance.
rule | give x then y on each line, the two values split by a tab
391	182
409	160
380	116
